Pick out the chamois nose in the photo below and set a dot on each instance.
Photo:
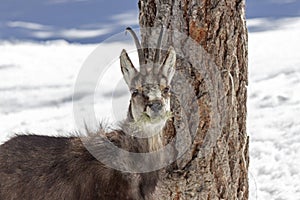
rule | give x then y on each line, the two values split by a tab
155	106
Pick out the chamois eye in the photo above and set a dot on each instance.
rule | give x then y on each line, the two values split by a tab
134	92
166	90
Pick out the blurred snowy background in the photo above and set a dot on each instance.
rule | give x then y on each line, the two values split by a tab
43	44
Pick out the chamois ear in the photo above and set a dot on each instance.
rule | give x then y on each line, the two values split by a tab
127	68
168	66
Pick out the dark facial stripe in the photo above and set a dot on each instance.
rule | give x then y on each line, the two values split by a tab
129	114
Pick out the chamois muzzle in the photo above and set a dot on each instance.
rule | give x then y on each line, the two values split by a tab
155	106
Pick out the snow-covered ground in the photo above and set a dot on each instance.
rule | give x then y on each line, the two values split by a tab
37	82
82	21
36	86
274	110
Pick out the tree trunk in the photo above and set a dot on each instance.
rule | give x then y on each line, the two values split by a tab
219	27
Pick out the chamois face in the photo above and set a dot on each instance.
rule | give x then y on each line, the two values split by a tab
150	91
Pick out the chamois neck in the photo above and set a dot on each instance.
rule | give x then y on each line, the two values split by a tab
152	132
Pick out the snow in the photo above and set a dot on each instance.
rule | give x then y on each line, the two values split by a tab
82	21
273	110
37	78
36	86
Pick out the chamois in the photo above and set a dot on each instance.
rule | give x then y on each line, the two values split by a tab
34	167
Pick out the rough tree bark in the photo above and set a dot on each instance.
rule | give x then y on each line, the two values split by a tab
219	27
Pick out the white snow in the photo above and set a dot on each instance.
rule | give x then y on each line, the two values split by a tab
37	82
274	110
27	25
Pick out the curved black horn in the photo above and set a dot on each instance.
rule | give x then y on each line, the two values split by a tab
138	46
157	52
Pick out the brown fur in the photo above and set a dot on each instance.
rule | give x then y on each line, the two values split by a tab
54	168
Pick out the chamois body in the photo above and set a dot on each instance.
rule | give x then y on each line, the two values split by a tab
54	168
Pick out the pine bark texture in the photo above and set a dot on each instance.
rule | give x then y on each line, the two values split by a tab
219	27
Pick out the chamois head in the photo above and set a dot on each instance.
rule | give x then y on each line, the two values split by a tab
149	87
